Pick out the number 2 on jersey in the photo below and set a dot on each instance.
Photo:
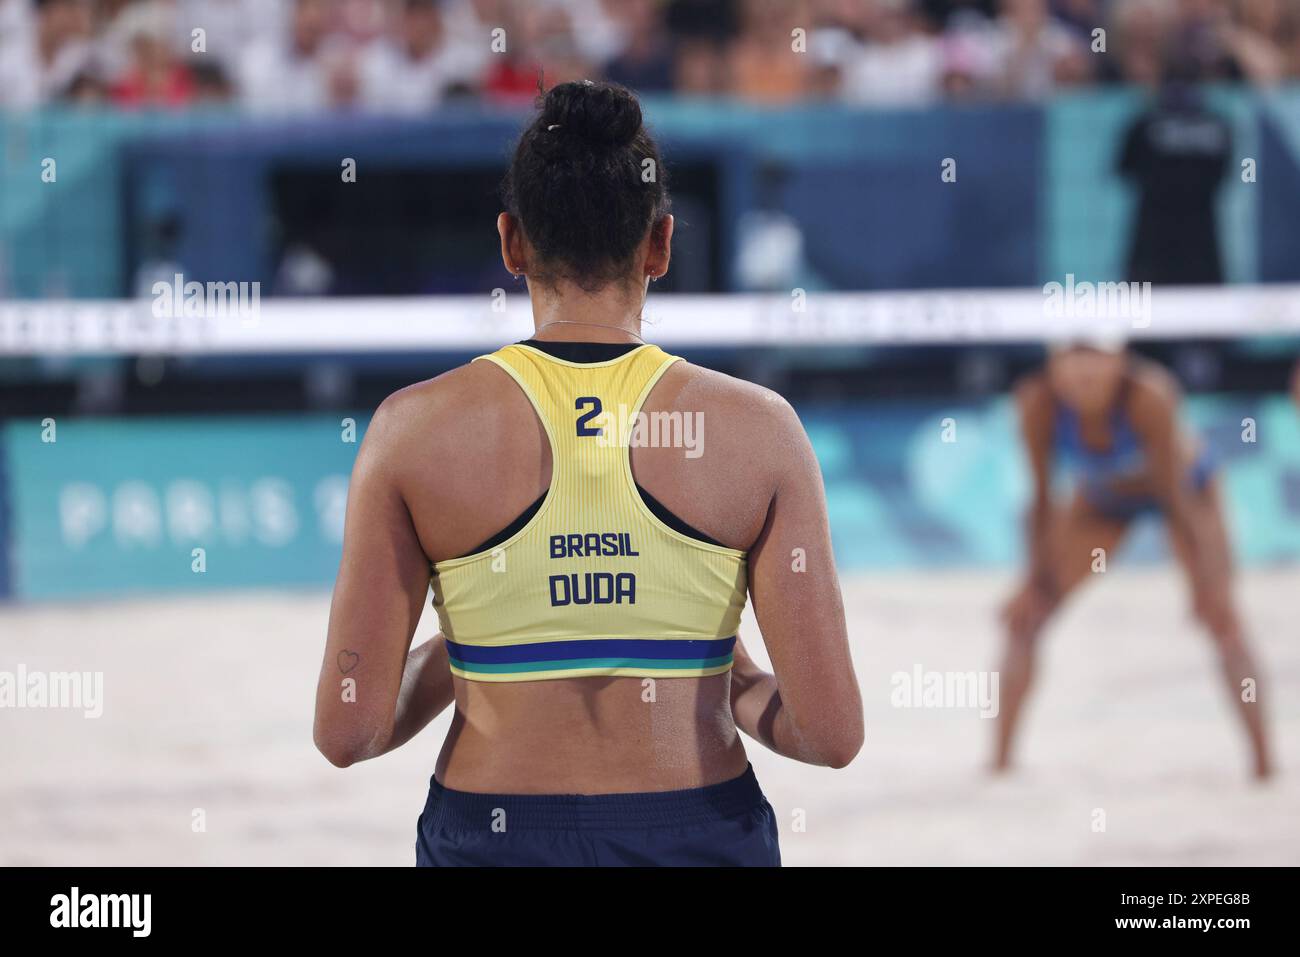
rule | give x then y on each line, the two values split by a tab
584	429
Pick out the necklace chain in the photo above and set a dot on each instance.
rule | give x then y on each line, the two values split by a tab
575	322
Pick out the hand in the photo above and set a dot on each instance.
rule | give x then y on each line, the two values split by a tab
745	672
740	657
755	698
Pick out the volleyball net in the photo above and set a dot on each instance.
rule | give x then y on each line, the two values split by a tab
185	318
133	432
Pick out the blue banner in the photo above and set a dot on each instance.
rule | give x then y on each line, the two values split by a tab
5	538
928	484
118	506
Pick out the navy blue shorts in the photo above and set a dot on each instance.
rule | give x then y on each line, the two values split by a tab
722	825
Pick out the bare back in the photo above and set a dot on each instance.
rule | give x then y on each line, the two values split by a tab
469	455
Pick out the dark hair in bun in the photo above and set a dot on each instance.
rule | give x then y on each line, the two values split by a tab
578	183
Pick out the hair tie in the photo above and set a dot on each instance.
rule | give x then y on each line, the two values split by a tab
553	126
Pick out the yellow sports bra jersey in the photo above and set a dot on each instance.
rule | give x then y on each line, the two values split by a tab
595	582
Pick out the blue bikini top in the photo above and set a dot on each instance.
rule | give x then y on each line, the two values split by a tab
1124	457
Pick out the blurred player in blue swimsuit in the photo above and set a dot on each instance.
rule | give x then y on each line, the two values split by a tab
1111	420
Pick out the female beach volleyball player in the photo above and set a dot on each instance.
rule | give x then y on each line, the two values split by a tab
1113	418
588	573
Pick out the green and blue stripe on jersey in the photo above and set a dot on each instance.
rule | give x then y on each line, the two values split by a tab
593	656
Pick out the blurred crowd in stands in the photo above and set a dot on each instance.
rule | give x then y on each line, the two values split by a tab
410	56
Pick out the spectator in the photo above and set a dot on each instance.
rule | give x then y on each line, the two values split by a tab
646	61
1028	53
304	56
1201	35
596	32
87	90
15	17
212	85
540	46
1080	16
153	76
1263	40
761	64
1139	33
959	14
899	64
17	31
699	67
832	46
467	26
716	20
702	29
961	66
410	74
45	53
230	27
361	22
308	71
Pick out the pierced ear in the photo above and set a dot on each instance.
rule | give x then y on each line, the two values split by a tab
661	250
512	254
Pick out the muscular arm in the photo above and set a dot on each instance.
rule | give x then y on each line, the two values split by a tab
372	695
811	709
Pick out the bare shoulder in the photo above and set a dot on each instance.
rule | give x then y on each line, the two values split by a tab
1031	391
1033	400
1154	389
742	423
744	404
441	408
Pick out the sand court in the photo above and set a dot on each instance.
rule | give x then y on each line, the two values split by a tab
203	753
